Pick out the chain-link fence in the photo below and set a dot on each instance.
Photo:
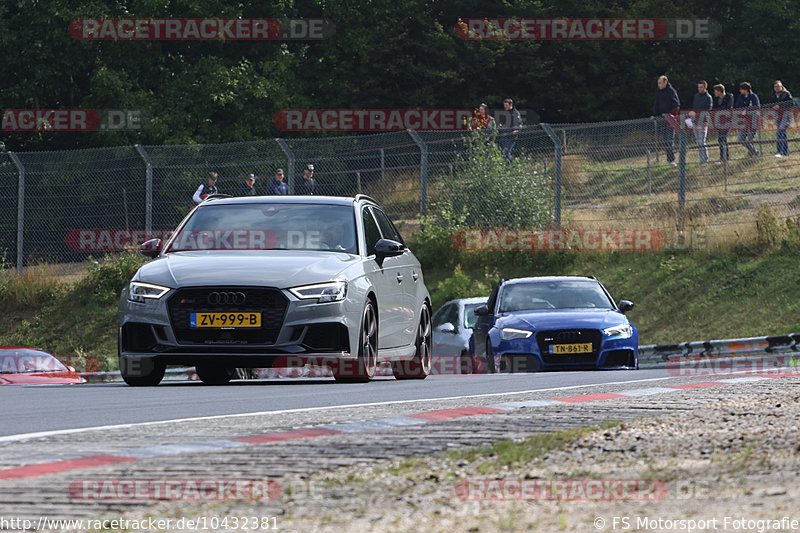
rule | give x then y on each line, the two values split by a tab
62	207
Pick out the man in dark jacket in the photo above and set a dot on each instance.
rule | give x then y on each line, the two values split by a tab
277	186
782	102
248	187
701	102
306	185
666	102
750	104
723	103
509	129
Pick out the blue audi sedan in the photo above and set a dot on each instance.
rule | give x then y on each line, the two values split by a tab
554	322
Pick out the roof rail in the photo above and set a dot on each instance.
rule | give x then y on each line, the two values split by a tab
365	197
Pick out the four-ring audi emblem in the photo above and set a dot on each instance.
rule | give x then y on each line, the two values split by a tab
221	298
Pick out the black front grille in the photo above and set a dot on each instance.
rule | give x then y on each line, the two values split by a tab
569	336
269	302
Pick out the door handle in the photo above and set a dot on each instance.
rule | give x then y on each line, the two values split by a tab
399	278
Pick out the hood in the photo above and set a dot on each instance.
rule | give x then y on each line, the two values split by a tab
271	268
562	319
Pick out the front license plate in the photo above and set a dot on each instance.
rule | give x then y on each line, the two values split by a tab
583	347
225	320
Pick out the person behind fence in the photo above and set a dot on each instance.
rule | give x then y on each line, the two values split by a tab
484	122
749	103
782	103
722	100
701	102
512	122
247	188
204	190
306	185
666	103
277	186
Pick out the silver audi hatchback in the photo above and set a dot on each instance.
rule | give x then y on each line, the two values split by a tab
259	282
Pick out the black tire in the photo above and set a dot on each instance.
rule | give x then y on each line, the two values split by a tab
419	367
367	360
142	371
212	374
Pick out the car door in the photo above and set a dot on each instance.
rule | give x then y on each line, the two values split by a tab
484	323
446	343
407	279
387	279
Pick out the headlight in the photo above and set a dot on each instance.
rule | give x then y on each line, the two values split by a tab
509	334
142	292
623	330
322	292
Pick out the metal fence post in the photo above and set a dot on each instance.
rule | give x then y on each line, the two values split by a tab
681	176
20	208
148	188
423	171
290	167
383	164
556	173
649	181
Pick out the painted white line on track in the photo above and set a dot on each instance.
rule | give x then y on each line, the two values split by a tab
56	432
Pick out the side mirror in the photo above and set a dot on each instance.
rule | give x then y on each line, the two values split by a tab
625	305
151	248
447	327
388	248
482	310
71	369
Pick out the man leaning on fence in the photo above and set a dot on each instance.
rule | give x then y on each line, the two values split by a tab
782	102
722	100
204	190
701	102
749	103
666	102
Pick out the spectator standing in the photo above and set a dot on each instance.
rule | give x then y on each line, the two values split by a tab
248	187
782	103
701	102
722	101
750	104
666	102
483	122
307	184
204	190
277	186
510	127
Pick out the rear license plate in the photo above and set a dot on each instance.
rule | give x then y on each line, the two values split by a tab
225	320
584	347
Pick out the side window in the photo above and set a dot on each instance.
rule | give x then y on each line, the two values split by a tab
452	316
371	232
441	315
387	228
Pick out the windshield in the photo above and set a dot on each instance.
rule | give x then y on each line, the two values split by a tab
268	227
553	295
22	361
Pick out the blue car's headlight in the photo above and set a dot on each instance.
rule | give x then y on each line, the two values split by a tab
143	292
509	334
623	330
322	292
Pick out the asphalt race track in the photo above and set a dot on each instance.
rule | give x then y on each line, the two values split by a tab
30	409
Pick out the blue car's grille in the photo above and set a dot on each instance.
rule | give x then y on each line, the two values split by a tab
545	339
269	302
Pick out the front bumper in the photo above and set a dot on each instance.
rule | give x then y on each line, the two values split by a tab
608	353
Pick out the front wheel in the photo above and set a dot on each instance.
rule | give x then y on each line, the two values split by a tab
141	371
367	360
419	367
